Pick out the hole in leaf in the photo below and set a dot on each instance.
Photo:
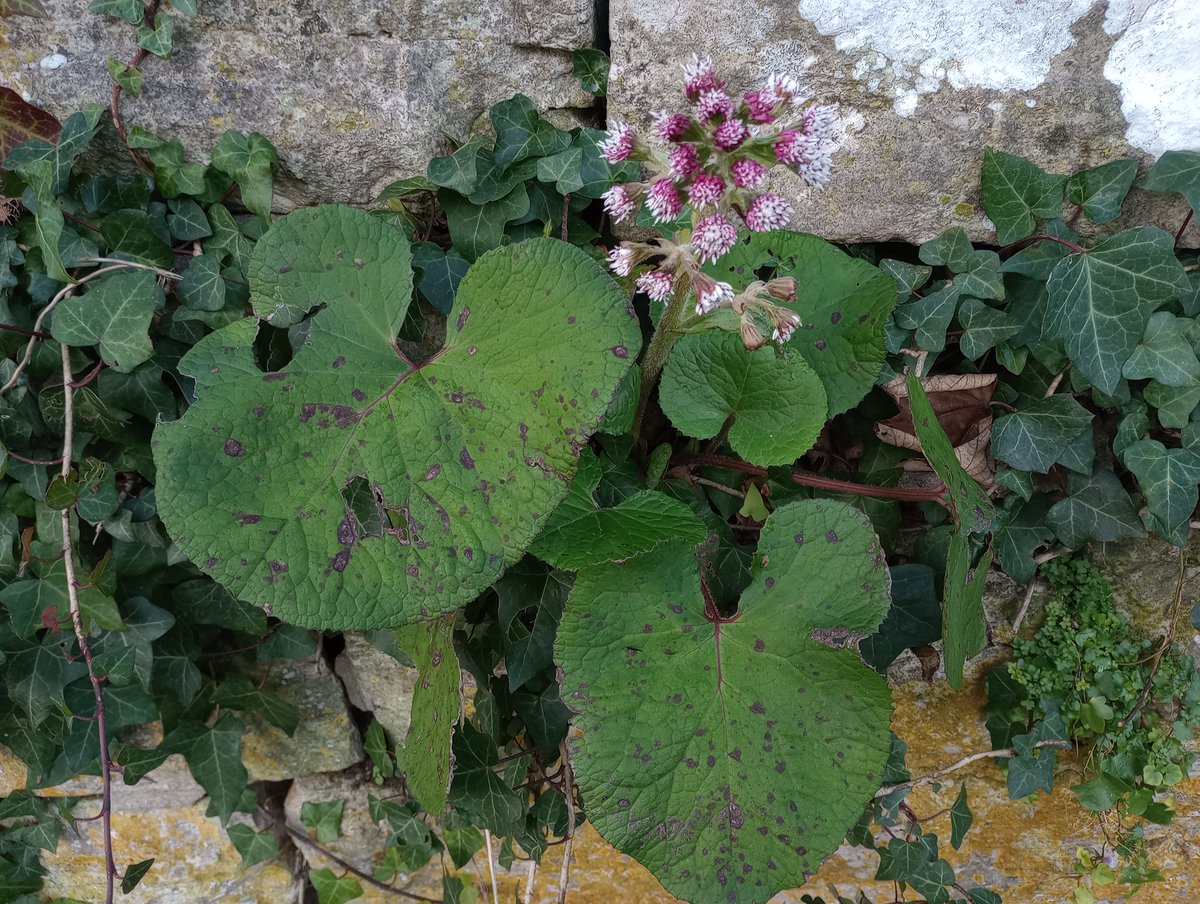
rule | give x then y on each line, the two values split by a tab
272	348
365	504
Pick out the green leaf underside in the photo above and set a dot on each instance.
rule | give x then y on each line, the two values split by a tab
844	302
435	708
775	399
971	505
730	758
355	489
1101	300
580	533
962	607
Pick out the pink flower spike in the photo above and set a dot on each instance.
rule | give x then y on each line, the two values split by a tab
713	236
783	90
761	106
684	162
621	202
706	191
730	134
768	212
670	127
663	201
710	294
748	173
656	283
789	146
698	76
620	260
713	103
619	144
819	120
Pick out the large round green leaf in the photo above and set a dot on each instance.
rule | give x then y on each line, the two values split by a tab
730	757
776	403
844	303
356	488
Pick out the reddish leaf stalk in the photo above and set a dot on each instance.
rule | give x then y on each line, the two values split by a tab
115	99
817	481
1009	250
85	648
1183	228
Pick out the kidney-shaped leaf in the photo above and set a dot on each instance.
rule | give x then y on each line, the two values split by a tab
731	756
357	488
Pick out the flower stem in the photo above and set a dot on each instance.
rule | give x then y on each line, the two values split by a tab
660	347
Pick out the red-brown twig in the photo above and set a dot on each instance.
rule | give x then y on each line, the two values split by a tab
818	481
115	99
1179	234
85	648
1009	250
350	867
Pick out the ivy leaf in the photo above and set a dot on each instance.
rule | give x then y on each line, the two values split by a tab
962	607
590	66
581	533
844	302
440	273
981	278
527	586
1016	193
37	675
324	818
476	228
952	249
132	11
34	9
1039	259
1097	508
522	133
160	39
1174	404
40	200
132	235
134	874
986	327
478	791
930	316
115	314
202	287
1165	354
126	76
776	401
563	170
1021	530
254	847
1034	438
436	707
240	693
458	171
973	509
214	757
362	489
249	160
1177	171
1101	189
1168	479
960	818
1101	300
334	889
735	725
914	618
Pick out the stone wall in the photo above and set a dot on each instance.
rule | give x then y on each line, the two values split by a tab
356	94
1022	848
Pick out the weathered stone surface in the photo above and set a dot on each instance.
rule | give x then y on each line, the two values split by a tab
354	95
924	86
377	683
327	740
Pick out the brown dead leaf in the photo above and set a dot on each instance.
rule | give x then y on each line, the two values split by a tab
962	404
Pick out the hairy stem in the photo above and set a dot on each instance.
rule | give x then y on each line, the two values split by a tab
85	648
656	355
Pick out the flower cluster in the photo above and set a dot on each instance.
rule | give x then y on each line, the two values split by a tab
715	161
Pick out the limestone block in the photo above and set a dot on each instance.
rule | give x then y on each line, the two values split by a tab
376	683
924	85
327	740
353	95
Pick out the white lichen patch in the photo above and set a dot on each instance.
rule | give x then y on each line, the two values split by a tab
1156	64
53	61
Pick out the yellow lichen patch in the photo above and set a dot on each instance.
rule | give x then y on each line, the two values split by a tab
194	860
963	209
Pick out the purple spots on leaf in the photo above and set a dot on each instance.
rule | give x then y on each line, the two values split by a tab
759	646
340	561
210	562
243	518
757	708
769	583
736	753
347	531
620	351
799	539
359	395
258	411
233	448
433	472
468	553
712	761
462	318
465	459
820	344
339	361
831	537
275	378
835	317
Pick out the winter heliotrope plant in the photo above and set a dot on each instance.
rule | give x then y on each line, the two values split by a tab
707	175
